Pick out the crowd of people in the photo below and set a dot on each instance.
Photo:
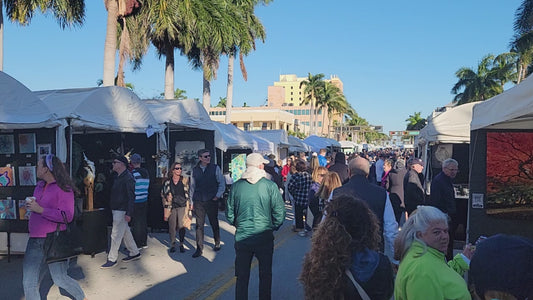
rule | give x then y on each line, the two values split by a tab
357	203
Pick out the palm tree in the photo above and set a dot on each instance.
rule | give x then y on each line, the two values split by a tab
314	85
523	39
415	122
477	86
504	68
331	102
68	13
245	46
221	102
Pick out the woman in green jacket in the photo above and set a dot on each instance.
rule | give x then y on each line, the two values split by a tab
424	272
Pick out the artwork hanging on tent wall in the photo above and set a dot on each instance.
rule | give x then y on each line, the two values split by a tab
43	150
187	154
7	176
27	143
7	209
510	175
27	175
237	166
24	213
7	144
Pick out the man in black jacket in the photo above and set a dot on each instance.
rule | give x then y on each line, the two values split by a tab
340	167
443	197
412	185
377	199
121	204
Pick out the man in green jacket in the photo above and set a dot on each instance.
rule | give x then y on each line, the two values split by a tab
255	207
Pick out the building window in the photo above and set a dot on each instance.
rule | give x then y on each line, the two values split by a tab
291	93
307	112
292	88
319	123
264	126
246	126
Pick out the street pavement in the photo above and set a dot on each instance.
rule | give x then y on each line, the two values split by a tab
164	275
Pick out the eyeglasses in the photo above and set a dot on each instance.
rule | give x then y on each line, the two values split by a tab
177	168
206	156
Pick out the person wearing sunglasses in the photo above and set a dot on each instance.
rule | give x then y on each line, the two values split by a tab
175	195
207	186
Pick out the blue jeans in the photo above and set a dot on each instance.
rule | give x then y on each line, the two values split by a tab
32	267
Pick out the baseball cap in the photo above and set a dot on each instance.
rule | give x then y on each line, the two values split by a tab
255	159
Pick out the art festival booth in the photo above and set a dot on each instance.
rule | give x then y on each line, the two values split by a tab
501	164
27	132
102	122
279	138
188	129
297	145
447	135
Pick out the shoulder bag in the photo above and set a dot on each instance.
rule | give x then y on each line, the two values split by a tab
360	290
61	245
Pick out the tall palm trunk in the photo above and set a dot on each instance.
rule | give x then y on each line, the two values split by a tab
206	88
169	72
110	45
123	53
1	35
229	91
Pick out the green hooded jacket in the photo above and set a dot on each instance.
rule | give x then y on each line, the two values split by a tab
254	208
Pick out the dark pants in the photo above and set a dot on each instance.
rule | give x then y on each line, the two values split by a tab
300	212
244	253
452	228
201	208
138	224
315	210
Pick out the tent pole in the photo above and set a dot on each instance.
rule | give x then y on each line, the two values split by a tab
70	148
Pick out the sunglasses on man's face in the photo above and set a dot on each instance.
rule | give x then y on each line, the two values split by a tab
177	168
206	156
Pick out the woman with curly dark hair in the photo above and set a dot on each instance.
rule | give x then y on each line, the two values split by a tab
347	240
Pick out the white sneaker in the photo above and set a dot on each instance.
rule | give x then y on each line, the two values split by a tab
302	233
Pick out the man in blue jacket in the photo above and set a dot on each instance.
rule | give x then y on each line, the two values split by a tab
255	207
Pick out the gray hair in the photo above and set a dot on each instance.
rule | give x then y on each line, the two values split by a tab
449	161
419	221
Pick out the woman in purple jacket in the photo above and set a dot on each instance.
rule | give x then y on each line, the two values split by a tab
52	195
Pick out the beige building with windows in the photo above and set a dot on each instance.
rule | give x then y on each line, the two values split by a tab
287	94
255	118
283	111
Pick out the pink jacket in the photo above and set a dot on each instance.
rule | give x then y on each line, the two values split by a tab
53	200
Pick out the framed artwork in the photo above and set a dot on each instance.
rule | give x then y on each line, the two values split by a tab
43	150
27	143
187	155
27	175
7	209
7	176
509	175
7	144
24	214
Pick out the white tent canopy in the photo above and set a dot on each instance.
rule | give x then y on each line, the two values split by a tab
348	144
513	109
297	145
317	142
227	136
180	114
451	126
278	137
108	108
262	145
20	108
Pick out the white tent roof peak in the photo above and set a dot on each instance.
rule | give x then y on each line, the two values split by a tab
187	113
108	108
20	108
512	109
451	126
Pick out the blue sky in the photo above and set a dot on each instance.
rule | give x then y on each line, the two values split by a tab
394	57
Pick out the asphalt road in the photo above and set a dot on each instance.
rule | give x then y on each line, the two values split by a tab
164	275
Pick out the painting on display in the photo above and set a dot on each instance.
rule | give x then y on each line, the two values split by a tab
237	166
7	144
187	155
7	209
43	150
24	214
441	152
27	143
27	175
510	175
7	176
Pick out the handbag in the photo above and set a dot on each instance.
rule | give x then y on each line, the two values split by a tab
360	290
166	213
187	220
61	245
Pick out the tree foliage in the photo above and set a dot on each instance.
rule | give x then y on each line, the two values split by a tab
415	121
